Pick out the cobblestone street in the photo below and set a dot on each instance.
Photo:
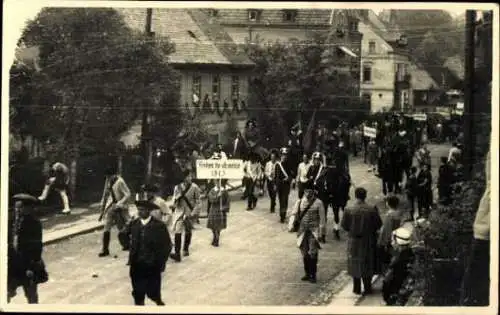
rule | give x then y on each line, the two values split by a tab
257	263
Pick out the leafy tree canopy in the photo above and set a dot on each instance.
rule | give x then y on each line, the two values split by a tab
96	76
293	79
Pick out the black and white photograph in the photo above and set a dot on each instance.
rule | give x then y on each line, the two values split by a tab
298	157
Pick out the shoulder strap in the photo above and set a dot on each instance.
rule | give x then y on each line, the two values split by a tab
112	182
183	196
302	214
320	170
282	169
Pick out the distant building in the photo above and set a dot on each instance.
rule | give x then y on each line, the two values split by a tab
385	65
425	92
215	72
270	25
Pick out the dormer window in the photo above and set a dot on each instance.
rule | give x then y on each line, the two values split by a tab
213	12
253	15
402	41
289	15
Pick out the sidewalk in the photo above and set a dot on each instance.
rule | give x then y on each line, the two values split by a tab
345	296
85	220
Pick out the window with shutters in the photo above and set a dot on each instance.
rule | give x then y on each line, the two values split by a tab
235	87
196	88
215	87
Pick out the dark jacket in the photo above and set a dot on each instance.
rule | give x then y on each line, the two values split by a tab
288	168
150	245
29	249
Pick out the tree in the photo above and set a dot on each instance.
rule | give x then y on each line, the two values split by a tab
96	76
433	35
293	79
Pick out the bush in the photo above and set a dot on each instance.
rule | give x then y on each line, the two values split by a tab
441	261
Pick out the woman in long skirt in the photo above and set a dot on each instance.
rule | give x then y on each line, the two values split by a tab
218	198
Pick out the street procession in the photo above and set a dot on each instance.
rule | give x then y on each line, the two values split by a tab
169	157
321	179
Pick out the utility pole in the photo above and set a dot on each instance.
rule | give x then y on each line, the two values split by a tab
468	115
146	132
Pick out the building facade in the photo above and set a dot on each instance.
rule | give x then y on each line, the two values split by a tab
385	64
214	71
270	25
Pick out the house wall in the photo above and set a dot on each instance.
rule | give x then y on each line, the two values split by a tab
381	85
241	34
215	123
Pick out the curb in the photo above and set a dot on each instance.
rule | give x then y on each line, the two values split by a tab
344	296
64	234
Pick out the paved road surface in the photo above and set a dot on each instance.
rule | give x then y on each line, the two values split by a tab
257	263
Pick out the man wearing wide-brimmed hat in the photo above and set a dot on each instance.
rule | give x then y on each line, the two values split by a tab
310	213
149	248
25	265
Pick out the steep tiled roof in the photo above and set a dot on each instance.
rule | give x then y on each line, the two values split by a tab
421	80
193	44
305	17
220	38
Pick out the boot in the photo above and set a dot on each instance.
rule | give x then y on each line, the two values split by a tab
187	242
307	268
314	269
105	244
177	255
65	201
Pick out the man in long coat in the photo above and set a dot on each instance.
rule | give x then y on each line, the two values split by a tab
362	223
187	204
150	245
25	266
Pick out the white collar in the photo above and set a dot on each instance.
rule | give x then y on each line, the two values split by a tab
145	221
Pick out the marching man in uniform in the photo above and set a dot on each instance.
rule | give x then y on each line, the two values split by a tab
115	210
59	182
269	172
284	175
317	180
308	217
187	204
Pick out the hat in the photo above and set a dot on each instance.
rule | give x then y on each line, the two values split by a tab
26	199
402	236
341	144
316	155
146	204
284	150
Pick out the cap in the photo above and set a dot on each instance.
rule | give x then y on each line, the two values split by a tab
26	199
402	236
284	150
316	155
341	144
